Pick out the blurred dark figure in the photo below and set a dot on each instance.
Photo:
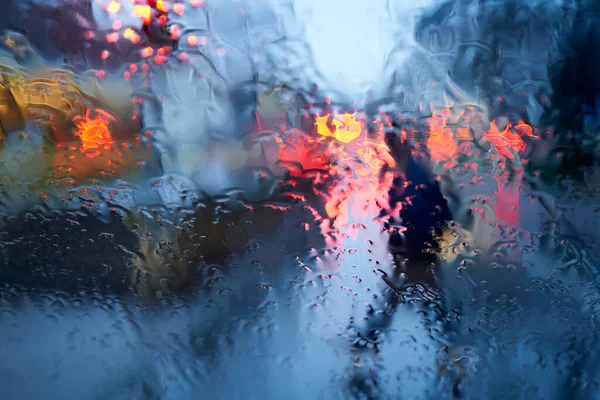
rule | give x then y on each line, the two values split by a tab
576	87
574	114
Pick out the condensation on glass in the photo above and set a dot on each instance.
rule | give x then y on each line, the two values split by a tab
298	199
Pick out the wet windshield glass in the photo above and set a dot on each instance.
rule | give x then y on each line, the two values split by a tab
299	199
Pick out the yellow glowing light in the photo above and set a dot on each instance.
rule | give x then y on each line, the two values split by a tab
342	127
161	6
113	7
147	52
144	12
131	35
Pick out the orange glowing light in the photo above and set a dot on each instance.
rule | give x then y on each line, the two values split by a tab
355	187
197	3
178	8
507	140
525	129
147	52
374	157
343	127
113	7
508	144
300	148
163	51
174	32
441	141
192	40
463	133
112	37
94	132
361	191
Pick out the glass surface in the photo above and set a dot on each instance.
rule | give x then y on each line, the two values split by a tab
299	199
